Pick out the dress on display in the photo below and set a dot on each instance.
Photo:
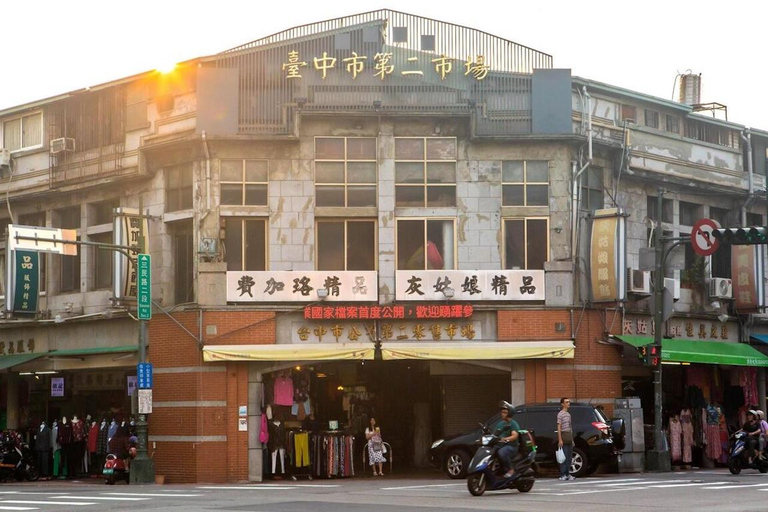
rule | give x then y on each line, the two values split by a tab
675	434
687	424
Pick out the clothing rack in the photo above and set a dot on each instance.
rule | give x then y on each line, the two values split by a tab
299	453
332	453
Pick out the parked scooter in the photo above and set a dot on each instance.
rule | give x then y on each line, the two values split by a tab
738	458
17	460
486	473
118	468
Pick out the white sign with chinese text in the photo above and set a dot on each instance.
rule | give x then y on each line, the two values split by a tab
298	286
470	285
341	331
145	401
57	386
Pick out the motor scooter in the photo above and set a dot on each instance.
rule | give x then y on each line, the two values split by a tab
17	460
486	473
118	468
738	458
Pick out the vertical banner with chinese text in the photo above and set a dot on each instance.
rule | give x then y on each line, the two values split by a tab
27	282
607	256
745	270
127	229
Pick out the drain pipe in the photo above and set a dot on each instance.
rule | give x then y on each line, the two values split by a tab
746	137
207	174
575	184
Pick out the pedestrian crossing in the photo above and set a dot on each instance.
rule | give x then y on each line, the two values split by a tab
600	485
23	500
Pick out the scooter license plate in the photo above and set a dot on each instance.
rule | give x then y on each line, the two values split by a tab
108	471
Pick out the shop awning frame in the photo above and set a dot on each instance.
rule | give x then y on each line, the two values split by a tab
478	350
702	351
289	352
7	362
762	338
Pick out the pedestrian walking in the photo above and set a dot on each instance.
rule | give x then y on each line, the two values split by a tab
565	438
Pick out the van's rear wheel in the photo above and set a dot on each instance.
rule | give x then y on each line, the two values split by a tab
476	484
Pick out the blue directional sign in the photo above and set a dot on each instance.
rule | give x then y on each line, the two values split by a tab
144	282
144	375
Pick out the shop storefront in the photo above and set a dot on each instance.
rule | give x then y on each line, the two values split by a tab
709	384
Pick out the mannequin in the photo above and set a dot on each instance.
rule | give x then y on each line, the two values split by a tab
276	445
58	467
67	446
78	445
93	437
43	448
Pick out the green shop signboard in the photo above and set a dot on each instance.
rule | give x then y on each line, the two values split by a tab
27	282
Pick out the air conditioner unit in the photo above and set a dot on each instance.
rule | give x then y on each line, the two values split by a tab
62	144
673	285
720	288
638	281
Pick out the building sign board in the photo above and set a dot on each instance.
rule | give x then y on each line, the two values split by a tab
298	286
27	282
746	272
607	256
444	330
469	285
144	287
683	328
127	230
20	346
410	311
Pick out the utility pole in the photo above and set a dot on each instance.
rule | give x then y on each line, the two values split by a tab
142	467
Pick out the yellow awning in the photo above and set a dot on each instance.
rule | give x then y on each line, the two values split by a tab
289	352
479	350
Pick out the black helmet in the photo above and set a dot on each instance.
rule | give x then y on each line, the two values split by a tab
506	405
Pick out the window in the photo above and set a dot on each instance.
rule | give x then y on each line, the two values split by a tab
425	244
592	189
690	213
246	244
102	262
178	187
525	183
720	215
651	118
526	243
754	219
706	132
425	171
721	262
38	220
650	236
345	171
666	207
183	265
24	132
69	266
628	113
672	124
101	212
244	182
346	245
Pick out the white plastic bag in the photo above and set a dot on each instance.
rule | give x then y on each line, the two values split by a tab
560	455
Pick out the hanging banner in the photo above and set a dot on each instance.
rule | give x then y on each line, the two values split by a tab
745	270
127	230
607	256
27	282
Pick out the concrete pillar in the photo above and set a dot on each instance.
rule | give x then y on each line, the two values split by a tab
517	383
12	399
255	454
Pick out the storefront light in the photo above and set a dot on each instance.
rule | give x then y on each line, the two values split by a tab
46	373
26	373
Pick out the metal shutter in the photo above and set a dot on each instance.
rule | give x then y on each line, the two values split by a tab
471	399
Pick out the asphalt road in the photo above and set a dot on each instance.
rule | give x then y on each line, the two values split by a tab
693	490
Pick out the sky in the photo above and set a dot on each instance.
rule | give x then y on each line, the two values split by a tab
52	48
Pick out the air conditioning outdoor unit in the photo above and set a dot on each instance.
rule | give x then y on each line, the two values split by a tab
674	286
5	157
62	144
720	288
638	281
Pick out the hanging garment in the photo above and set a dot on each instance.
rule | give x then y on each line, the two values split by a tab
687	424
301	444
283	391
675	435
714	449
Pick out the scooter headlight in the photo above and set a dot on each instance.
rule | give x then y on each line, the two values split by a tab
486	440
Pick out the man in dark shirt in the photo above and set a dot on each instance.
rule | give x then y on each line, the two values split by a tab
752	428
507	431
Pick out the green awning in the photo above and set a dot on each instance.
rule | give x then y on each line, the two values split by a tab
92	351
700	351
17	359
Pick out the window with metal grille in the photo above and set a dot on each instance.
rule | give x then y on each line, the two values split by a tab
345	171
245	243
667	207
672	124
178	187
526	243
244	182
426	244
651	118
592	190
183	262
24	132
525	183
346	244
425	171
69	266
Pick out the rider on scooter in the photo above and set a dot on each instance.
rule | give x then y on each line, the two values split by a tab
507	431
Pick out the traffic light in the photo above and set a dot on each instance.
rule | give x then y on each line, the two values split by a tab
754	235
650	355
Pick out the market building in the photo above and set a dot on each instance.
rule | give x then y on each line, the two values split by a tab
381	216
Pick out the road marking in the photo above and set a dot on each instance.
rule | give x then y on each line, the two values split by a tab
152	495
99	498
686	485
19	508
252	488
22	502
416	487
736	486
641	482
597	480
